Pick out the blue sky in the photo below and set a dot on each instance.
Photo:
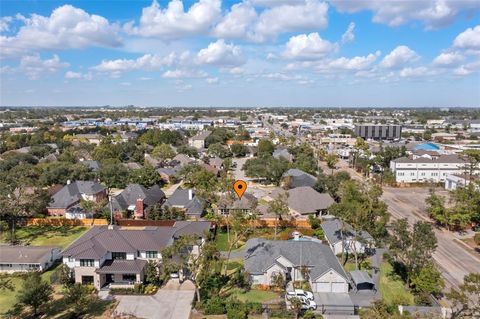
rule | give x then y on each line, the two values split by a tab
306	53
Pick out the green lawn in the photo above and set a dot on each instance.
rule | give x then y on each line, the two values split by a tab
392	288
222	242
8	297
61	236
254	295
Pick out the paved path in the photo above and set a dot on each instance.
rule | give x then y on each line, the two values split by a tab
171	302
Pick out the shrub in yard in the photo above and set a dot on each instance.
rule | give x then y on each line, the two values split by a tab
254	308
314	222
150	289
215	306
309	314
139	288
236	309
476	239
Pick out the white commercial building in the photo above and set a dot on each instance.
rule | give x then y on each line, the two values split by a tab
426	168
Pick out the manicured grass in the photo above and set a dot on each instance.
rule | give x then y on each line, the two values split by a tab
8	297
254	295
61	236
221	240
392	288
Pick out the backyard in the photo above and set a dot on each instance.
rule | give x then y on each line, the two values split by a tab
392	287
61	236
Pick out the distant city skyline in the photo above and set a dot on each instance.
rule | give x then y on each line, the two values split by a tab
252	53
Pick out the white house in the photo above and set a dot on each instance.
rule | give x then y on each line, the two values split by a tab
426	168
343	238
452	182
27	258
291	258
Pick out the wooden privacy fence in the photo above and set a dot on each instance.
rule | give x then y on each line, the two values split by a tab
66	222
270	223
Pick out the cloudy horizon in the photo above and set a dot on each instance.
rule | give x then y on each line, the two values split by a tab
293	53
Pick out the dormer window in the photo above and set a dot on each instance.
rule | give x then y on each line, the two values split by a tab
151	254
119	255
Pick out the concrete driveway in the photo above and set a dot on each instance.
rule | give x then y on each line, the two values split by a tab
174	301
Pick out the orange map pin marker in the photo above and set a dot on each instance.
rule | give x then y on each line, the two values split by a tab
240	187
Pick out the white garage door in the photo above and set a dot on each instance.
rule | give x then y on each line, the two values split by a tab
338	287
322	287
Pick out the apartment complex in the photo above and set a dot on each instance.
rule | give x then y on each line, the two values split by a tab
379	132
426	168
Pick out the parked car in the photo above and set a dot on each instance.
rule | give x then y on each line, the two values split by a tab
301	293
307	304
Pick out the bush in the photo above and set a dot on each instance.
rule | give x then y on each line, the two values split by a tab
314	222
476	239
309	314
254	308
236	309
319	234
139	288
150	289
215	306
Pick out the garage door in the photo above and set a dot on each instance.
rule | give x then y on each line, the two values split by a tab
322	287
338	287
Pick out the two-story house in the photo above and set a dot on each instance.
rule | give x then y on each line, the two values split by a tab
117	256
66	201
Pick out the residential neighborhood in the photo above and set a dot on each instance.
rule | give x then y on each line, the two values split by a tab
240	159
155	216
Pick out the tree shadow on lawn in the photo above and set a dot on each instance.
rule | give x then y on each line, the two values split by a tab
31	233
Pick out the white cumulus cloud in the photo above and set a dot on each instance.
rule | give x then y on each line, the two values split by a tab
468	39
34	67
221	53
67	27
399	56
236	22
433	13
146	62
174	22
448	59
308	47
413	72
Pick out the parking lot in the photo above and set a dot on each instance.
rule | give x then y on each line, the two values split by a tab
171	302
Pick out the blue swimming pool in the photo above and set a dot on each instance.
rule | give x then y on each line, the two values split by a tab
427	147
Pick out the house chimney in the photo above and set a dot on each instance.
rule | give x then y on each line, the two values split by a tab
190	194
139	209
68	182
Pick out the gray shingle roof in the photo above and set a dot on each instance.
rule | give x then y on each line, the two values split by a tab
72	193
133	192
261	254
305	200
99	240
24	254
202	135
300	178
180	198
332	230
94	166
441	159
117	266
359	277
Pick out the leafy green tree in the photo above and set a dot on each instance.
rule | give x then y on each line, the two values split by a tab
114	175
156	137
331	183
238	150
332	161
466	299
163	152
34	292
217	149
267	167
188	150
414	248
146	176
436	209
428	280
79	298
219	135
265	147
279	207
